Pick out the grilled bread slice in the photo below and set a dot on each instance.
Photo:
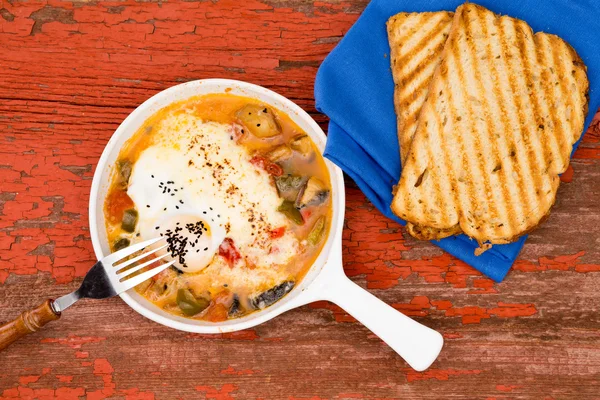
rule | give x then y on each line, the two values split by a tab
504	109
416	43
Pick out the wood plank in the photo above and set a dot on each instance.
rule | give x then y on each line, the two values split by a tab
71	72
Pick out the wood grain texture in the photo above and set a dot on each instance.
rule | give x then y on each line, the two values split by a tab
29	321
70	72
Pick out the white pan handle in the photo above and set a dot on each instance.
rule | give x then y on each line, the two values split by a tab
417	344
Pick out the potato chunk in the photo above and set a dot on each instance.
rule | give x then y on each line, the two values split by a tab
259	120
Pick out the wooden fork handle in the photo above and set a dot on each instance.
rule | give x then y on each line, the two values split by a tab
28	322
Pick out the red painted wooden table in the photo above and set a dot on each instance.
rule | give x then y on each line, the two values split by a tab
70	72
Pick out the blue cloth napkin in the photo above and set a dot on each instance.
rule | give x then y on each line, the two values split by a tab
354	87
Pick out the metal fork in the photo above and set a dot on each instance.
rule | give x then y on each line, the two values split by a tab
107	278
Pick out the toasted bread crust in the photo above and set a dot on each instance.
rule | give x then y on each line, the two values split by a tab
428	233
504	110
416	42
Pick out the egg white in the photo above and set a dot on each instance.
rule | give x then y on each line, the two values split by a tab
208	176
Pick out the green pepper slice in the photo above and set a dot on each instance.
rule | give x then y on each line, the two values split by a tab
316	233
125	168
288	209
129	221
190	305
120	244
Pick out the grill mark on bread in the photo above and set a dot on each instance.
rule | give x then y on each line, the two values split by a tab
550	92
446	159
422	45
508	100
410	121
515	102
468	189
499	100
544	156
522	153
481	190
563	74
414	65
523	162
431	151
546	91
459	192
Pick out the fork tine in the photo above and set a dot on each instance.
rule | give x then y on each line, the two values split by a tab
114	257
126	273
136	280
135	259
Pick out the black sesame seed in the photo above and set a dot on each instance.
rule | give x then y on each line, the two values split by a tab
258	125
181	201
210	208
177	207
157	228
147	205
206	248
219	215
203	212
152	176
165	209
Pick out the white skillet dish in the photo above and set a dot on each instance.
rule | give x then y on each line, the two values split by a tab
325	280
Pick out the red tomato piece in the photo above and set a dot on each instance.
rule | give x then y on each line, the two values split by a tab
306	213
229	252
277	233
116	203
267	165
274	169
216	313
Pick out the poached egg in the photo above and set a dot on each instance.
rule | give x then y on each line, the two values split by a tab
195	185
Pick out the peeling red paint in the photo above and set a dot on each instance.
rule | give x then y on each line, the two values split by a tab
65	378
339	314
351	396
422	306
507	388
452	335
568	262
567	176
306	398
211	392
60	393
25	380
439	374
69	66
247	334
74	342
230	370
82	354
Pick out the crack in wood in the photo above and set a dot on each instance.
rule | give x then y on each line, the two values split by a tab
50	14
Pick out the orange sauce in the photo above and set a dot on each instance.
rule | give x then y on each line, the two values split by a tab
222	108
